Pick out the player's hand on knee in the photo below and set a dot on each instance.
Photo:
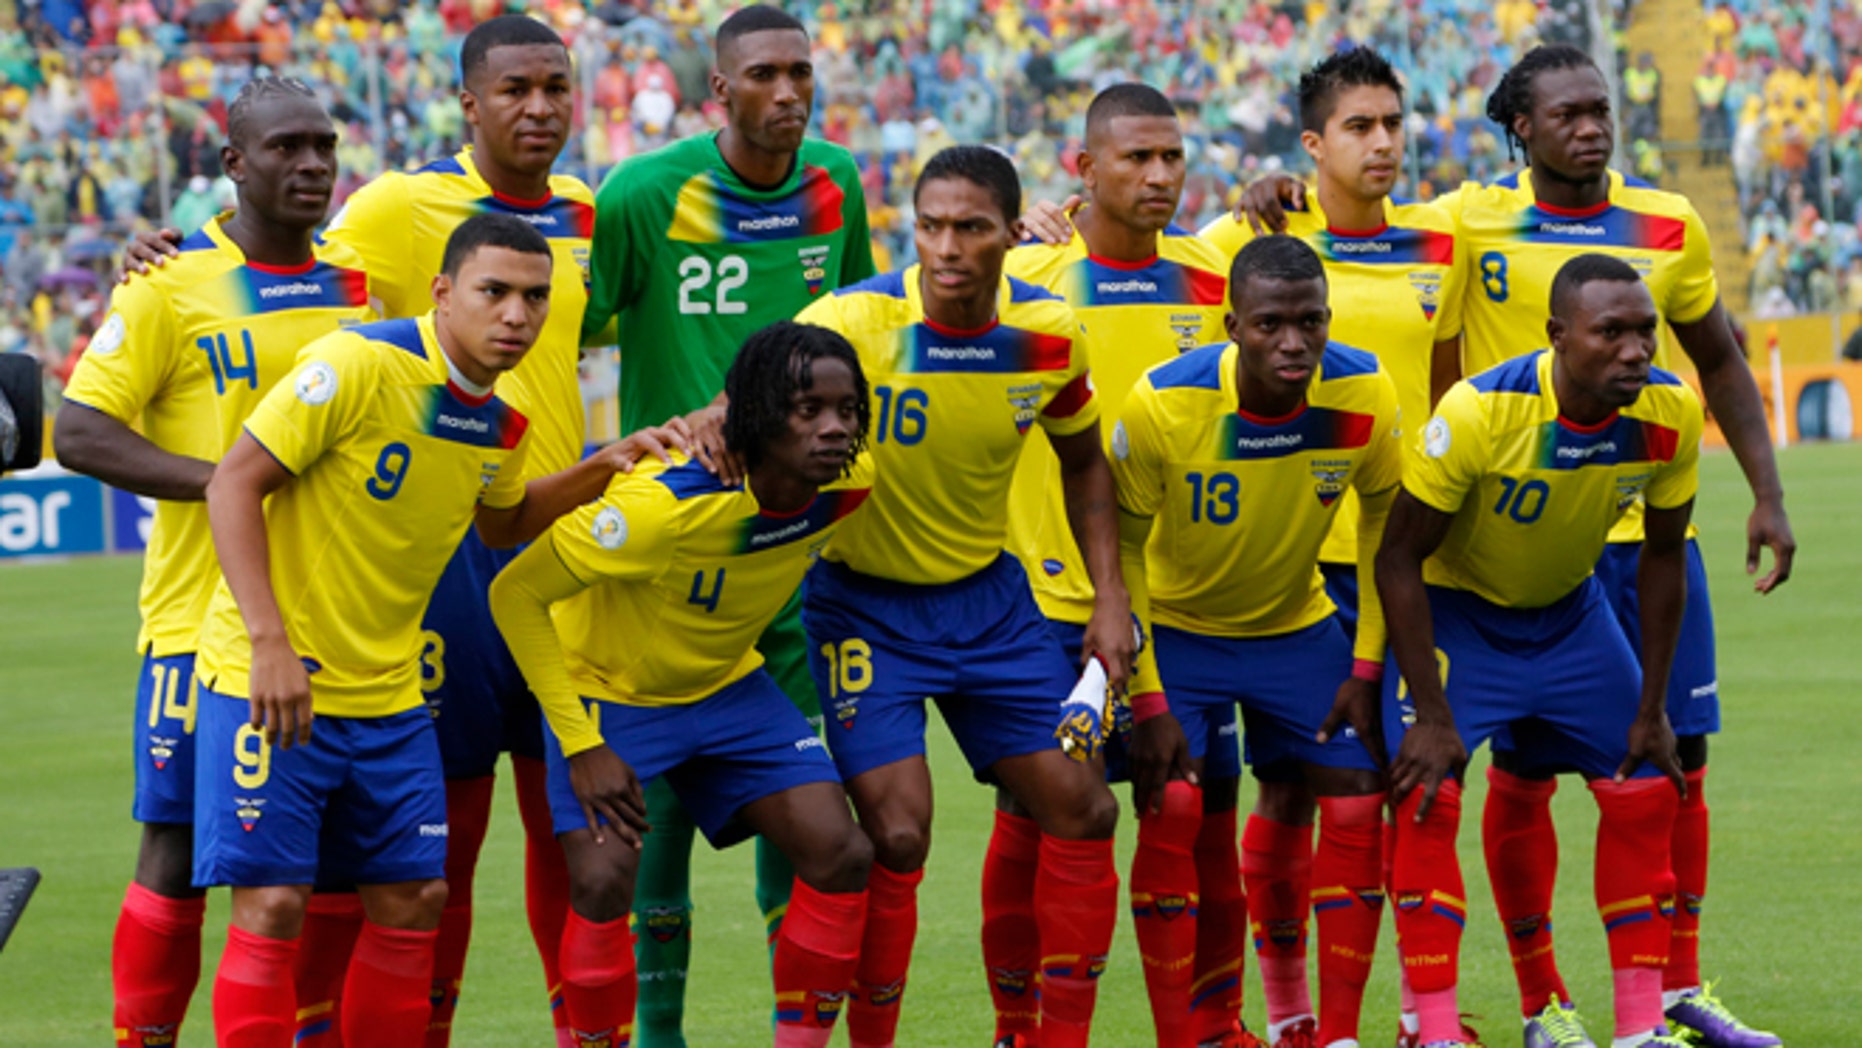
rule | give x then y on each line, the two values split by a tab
1652	740
1046	222
1430	753
1263	204
1769	526
280	687
609	793
658	441
150	247
1356	704
706	426
1160	753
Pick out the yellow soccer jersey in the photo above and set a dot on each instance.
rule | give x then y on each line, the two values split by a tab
950	411
1135	314
1512	247
1535	495
1394	291
184	355
1242	503
400	223
391	459
685	574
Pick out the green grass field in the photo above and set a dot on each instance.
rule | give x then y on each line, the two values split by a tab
1781	924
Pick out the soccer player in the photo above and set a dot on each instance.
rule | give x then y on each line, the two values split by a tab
1496	620
516	93
1230	463
697	245
1392	272
1144	291
916	596
682	573
393	431
182	357
1515	233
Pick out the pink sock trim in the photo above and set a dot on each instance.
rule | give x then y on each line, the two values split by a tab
1638	1000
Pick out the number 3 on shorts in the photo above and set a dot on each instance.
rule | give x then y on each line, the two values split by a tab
850	666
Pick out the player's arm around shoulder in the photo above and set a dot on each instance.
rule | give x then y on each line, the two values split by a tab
510	515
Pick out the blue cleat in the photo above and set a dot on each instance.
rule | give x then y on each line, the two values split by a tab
1704	1022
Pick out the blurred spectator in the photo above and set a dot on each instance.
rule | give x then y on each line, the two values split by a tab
1642	89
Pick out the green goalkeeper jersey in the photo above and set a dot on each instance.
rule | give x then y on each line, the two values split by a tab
693	260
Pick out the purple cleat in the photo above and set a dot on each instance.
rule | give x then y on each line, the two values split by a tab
1704	1021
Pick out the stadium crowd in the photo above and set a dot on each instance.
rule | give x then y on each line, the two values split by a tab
84	88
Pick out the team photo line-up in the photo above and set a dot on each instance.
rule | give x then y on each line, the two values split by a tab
1350	487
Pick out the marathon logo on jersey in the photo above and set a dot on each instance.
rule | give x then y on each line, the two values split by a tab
1159	282
814	263
1428	287
664	924
708	212
323	287
768	531
1000	350
1622	441
162	750
1329	477
1318	429
493	424
1611	227
248	810
435	829
1390	246
560	219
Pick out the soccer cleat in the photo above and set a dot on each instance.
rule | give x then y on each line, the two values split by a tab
1239	1037
1302	1034
1558	1026
1470	1038
1664	1039
1702	1020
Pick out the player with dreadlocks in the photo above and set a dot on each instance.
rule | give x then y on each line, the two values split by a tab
1554	106
678	574
148	412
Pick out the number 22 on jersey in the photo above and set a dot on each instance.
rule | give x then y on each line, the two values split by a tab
698	293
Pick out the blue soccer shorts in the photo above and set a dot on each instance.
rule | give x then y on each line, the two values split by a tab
741	744
1561	679
1284	685
1693	679
166	705
363	803
481	705
978	646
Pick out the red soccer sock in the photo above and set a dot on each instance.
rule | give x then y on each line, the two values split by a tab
885	957
468	813
332	920
546	879
1405	996
1011	942
1633	880
155	964
817	950
598	982
1221	928
1164	907
253	1002
1276	865
1076	908
1522	863
1689	851
1431	907
385	1003
1348	904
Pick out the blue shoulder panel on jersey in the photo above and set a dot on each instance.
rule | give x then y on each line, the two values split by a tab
1632	182
1519	375
1342	361
692	480
1020	292
1200	368
1507	181
199	241
1658	377
448	166
891	285
1174	230
403	334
